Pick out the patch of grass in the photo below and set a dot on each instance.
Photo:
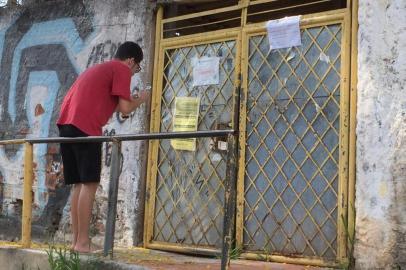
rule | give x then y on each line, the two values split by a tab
63	259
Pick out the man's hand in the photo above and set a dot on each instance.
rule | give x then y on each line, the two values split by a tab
126	107
143	96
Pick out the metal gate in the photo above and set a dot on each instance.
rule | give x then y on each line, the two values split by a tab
188	194
293	144
295	156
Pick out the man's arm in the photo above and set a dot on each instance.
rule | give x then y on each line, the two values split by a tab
126	106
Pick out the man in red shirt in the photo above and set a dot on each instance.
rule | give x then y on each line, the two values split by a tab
88	105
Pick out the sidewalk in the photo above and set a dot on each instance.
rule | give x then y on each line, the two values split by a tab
14	258
153	259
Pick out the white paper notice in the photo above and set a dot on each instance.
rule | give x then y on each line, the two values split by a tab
284	33
206	70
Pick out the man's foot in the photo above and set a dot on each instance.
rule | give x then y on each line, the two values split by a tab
82	248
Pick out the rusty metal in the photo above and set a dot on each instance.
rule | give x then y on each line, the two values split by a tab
230	202
232	175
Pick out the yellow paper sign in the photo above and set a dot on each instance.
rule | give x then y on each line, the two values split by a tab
185	118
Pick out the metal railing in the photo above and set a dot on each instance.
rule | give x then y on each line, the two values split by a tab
230	183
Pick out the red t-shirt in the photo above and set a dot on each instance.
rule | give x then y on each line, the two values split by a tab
93	97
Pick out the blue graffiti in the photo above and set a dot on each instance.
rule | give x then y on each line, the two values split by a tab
48	80
2	36
61	31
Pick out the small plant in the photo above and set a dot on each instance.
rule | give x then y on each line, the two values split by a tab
350	242
234	253
268	251
63	259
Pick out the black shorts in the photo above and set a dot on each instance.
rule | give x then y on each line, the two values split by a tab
81	161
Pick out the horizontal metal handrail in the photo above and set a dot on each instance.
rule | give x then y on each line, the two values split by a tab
116	140
134	137
123	137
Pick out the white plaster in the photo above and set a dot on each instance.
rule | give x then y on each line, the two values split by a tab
120	23
381	104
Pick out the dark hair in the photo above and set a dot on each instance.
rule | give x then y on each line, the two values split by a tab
129	50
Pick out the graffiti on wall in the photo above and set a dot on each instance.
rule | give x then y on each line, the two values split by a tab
38	63
102	52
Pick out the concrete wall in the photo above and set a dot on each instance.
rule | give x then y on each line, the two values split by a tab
381	136
44	45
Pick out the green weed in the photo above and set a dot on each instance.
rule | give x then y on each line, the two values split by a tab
63	259
350	242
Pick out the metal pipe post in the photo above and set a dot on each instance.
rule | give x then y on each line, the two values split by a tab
27	202
112	200
229	203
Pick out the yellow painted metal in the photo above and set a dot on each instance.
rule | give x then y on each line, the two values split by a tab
311	20
291	260
244	5
183	248
344	139
165	48
9	142
308	21
256	2
289	7
201	14
201	24
239	70
242	141
152	149
353	122
27	202
242	34
198	39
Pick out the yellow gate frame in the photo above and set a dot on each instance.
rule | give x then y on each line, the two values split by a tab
348	18
173	43
319	19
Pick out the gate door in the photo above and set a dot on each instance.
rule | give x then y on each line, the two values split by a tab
295	155
186	191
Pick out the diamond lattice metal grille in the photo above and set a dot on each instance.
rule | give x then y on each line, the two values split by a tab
293	114
190	193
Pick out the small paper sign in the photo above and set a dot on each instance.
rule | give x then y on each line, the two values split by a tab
284	33
206	70
185	118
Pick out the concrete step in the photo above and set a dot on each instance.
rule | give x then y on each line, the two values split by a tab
14	258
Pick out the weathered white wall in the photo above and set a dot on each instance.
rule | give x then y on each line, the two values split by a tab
381	136
44	45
